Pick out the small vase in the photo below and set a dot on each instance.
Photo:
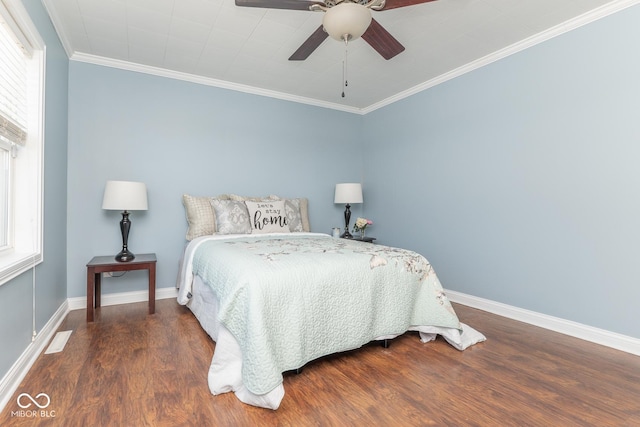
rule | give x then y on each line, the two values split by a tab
362	233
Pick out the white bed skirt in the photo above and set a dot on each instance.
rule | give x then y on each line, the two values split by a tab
225	372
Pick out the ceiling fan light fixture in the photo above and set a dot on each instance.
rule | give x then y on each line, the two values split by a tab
346	21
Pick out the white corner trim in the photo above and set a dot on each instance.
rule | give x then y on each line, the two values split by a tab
57	24
586	18
12	265
79	303
21	367
588	333
207	81
15	375
572	24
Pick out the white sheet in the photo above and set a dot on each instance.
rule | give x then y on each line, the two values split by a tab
225	372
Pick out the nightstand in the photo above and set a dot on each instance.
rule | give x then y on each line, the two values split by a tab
106	264
364	239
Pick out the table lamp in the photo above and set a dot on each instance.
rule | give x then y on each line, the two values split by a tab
348	193
125	196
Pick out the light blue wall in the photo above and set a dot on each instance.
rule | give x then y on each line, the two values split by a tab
520	181
16	296
178	138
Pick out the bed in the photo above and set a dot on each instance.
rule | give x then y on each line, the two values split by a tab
273	299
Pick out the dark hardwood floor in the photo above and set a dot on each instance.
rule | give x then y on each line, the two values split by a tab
133	369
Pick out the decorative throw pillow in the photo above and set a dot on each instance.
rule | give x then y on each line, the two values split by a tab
268	216
200	217
304	213
292	211
238	198
231	217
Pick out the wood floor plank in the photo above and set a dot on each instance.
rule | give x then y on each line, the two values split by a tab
133	369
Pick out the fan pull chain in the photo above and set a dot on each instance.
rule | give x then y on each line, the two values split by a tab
344	65
343	78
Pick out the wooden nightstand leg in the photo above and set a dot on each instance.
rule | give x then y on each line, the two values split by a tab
98	286
152	288
90	290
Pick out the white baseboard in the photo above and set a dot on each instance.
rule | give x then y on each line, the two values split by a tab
78	303
20	368
588	333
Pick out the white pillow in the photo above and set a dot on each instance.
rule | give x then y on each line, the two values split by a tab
200	216
267	216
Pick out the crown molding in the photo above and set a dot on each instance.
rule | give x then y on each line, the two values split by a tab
207	81
57	25
586	18
552	32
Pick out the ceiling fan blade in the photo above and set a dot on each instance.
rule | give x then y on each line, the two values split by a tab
383	42
393	4
278	4
309	45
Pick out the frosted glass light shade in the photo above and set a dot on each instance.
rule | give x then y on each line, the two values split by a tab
346	19
125	196
348	193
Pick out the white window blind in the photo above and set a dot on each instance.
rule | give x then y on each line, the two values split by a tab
5	159
22	72
13	87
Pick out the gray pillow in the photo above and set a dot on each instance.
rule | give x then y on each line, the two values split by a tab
292	211
232	217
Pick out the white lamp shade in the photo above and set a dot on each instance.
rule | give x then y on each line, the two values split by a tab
350	19
125	196
348	193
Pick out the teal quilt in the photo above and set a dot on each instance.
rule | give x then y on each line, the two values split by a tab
290	299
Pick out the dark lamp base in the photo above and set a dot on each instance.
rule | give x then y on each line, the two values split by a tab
347	218
125	256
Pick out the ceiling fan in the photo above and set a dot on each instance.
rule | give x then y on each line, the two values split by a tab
344	20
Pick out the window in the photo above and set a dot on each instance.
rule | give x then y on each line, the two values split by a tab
5	186
21	140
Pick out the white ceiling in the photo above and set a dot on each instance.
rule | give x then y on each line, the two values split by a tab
217	43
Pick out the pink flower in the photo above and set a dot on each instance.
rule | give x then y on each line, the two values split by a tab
361	224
